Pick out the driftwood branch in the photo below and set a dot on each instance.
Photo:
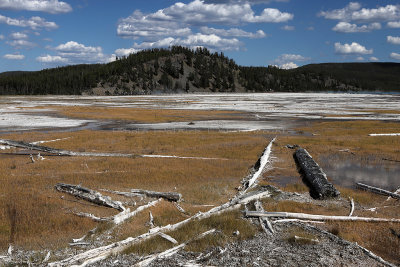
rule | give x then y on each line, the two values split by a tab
351	207
170	196
263	220
172	251
98	254
123	216
377	190
294	215
314	176
168	237
89	195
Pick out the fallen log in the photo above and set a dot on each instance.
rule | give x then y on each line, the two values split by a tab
61	152
351	207
259	166
100	253
305	216
123	216
170	196
314	176
378	190
89	195
385	134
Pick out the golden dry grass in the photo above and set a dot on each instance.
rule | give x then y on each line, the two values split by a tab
41	212
141	115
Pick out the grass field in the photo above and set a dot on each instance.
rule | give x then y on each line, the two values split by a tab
34	216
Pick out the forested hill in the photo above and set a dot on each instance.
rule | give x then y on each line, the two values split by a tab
180	69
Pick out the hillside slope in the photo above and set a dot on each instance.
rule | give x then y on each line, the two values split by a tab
181	69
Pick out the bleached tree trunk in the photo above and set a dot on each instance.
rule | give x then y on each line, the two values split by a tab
378	190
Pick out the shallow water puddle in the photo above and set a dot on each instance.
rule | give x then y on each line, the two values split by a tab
346	170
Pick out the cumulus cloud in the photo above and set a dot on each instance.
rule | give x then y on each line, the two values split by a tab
18	35
360	58
35	23
49	6
178	19
75	53
126	51
289	65
354	12
395	56
14	56
374	59
211	41
347	27
233	32
353	48
393	24
20	43
393	40
2	37
244	1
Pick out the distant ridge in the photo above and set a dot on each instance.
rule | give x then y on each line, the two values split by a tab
180	69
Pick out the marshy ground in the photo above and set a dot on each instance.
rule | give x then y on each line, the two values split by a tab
222	137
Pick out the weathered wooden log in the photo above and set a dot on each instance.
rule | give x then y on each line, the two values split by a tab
123	216
98	254
60	152
259	166
314	176
89	195
168	237
170	196
377	190
263	220
317	217
351	207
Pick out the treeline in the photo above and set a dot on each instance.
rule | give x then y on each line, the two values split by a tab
180	69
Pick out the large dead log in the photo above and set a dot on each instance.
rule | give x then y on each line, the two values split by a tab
314	176
170	196
61	152
89	195
317	217
378	190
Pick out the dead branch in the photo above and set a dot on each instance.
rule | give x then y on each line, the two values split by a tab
123	216
263	220
168	237
315	177
378	190
170	196
93	217
304	239
98	254
89	195
294	220
317	217
352	207
170	252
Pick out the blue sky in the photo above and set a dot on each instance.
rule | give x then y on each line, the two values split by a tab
37	34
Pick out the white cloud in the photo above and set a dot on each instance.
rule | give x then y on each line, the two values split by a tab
233	32
347	27
288	28
126	51
374	59
177	20
21	44
311	28
35	23
18	35
395	56
393	40
393	24
76	53
14	56
51	59
49	6
286	58
211	41
353	48
244	1
289	65
353	12
360	58
2	37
